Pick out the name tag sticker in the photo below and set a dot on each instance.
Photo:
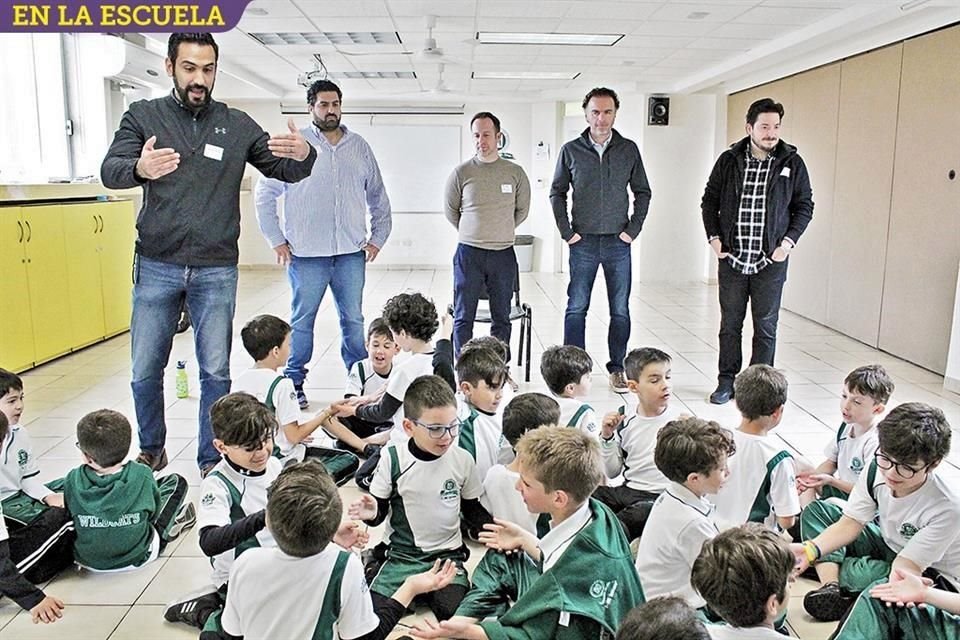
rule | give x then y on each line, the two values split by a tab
506	188
785	172
213	152
564	619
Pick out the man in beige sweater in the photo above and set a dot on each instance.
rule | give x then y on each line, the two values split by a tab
486	198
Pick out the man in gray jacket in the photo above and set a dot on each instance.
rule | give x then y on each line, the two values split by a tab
601	166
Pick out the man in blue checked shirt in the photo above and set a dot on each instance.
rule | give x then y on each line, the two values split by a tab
322	239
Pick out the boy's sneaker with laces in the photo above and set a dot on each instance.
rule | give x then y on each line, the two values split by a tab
194	608
828	603
185	518
301	396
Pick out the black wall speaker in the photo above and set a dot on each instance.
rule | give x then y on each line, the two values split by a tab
658	110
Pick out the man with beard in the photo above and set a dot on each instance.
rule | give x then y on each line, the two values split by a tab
188	153
323	238
756	206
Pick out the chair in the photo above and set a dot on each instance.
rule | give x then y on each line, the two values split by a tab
518	311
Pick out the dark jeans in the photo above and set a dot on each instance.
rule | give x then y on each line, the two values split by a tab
475	271
586	256
763	290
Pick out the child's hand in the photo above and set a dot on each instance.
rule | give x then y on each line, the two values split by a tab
455	627
609	423
903	589
433	579
800	558
54	500
364	508
502	535
343	409
49	610
446	326
352	535
814	480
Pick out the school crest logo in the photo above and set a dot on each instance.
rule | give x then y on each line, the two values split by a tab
604	591
907	530
208	500
22	457
856	465
450	491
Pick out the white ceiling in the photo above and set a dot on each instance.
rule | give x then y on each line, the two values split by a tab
666	47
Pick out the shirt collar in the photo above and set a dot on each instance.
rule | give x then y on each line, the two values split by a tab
689	498
561	535
323	139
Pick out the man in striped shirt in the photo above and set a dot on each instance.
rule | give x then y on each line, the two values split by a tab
322	237
756	205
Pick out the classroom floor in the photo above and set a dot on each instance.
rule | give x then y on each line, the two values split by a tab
683	320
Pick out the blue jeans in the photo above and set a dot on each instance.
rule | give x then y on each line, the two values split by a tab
309	278
211	296
586	256
475	272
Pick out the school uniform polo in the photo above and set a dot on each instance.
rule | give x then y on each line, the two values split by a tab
631	451
480	435
578	414
560	536
852	451
503	501
274	595
403	374
228	495
727	632
679	523
762	484
363	379
18	466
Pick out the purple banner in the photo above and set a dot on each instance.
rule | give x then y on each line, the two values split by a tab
114	17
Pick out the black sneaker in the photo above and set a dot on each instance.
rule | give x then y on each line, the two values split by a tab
194	608
186	518
828	603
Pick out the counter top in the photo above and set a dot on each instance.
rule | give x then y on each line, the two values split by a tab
19	193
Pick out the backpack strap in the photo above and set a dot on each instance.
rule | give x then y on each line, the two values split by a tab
330	609
273	386
761	505
579	414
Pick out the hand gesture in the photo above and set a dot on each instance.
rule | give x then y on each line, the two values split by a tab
352	535
156	163
446	328
800	557
503	535
433	579
813	480
289	145
343	409
609	423
284	256
54	500
903	589
455	627
364	508
48	610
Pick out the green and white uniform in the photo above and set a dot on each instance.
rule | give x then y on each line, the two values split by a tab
480	436
852	451
226	495
321	597
679	524
582	589
404	373
872	618
424	520
574	413
363	379
631	450
503	501
762	484
18	467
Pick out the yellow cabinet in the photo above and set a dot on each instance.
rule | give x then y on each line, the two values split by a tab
81	222
46	255
117	235
16	327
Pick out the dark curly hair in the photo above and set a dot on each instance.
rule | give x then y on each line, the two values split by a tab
413	313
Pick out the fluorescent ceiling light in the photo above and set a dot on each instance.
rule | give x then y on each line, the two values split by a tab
589	39
382	75
524	75
327	37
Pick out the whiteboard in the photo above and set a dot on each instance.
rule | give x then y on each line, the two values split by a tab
415	161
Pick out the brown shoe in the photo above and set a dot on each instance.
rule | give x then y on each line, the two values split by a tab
155	462
618	382
206	469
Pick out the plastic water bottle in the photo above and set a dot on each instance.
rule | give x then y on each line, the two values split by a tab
183	388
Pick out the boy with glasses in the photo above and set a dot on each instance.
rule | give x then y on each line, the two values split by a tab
424	485
915	530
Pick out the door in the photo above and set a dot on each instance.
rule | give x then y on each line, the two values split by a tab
16	328
116	260
83	227
47	280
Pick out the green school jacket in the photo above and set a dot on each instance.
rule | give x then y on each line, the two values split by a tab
584	595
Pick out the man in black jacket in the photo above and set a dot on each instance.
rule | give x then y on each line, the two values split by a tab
188	153
756	206
603	168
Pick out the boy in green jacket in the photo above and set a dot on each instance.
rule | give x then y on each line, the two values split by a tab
578	581
123	516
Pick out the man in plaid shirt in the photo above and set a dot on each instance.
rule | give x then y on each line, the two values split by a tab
756	205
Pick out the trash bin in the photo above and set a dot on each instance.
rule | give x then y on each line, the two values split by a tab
523	245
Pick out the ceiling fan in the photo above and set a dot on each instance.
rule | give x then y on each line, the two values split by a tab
428	52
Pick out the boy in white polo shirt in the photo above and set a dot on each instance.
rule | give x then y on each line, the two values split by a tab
762	485
367	379
482	375
309	587
424	486
692	453
866	391
628	441
566	370
745	575
918	514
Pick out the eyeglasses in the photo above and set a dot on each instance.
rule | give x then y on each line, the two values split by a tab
904	471
436	431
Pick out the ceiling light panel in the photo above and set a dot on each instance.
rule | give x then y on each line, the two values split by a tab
282	38
584	39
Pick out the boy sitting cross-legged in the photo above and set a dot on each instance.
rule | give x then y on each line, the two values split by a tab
309	587
693	454
123	516
421	487
267	339
575	583
745	575
628	441
566	370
